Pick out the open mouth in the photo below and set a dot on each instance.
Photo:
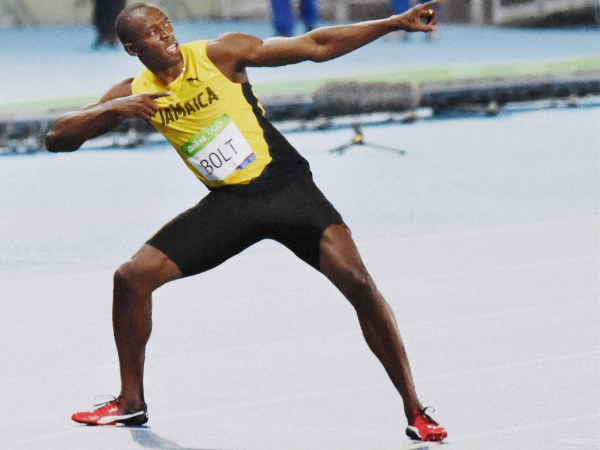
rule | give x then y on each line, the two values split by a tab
174	47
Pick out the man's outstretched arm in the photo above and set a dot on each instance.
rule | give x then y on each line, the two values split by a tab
71	130
321	44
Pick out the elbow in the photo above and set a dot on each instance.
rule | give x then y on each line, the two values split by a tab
55	144
319	58
322	53
50	141
319	55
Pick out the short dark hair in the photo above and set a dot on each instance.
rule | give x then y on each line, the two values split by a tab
124	32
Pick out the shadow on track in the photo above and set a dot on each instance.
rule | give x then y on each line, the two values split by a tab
148	439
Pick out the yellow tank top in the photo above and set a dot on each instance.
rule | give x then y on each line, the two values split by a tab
217	126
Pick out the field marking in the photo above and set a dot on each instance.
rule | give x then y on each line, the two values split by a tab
527	427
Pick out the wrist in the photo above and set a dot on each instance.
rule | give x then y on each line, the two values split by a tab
397	23
110	108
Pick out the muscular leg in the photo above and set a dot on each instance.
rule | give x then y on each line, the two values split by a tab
134	283
341	263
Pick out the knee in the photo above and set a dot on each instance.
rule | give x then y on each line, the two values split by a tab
130	279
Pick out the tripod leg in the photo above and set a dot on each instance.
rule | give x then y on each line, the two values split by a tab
383	147
342	148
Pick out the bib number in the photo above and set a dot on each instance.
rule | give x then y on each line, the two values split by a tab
218	150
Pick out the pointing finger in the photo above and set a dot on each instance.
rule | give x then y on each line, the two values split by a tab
156	95
432	3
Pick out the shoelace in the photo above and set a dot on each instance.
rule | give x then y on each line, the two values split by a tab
423	412
104	400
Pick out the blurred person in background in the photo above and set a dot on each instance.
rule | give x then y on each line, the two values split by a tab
105	14
283	16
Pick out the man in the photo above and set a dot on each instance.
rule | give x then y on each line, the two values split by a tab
199	97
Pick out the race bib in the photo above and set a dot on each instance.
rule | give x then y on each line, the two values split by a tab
218	150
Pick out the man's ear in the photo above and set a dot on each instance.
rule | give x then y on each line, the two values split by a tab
130	49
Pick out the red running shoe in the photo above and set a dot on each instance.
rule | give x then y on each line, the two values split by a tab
111	413
424	428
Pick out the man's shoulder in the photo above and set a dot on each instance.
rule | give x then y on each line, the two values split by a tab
233	40
194	45
231	46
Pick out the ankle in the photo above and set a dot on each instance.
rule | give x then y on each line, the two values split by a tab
131	403
413	411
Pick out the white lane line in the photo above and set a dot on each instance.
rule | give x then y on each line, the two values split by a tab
508	267
81	429
517	429
306	290
507	312
514	365
590	222
386	384
321	337
58	434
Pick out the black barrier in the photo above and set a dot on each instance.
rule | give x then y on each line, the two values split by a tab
24	133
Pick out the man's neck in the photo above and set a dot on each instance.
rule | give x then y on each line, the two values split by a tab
168	75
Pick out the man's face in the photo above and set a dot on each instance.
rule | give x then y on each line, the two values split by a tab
154	42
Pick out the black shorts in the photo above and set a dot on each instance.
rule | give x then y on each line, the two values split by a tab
230	219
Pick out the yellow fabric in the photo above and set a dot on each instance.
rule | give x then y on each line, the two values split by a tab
199	96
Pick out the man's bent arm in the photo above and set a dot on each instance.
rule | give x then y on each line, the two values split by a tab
71	130
318	45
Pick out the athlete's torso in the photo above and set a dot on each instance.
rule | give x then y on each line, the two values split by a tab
217	126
